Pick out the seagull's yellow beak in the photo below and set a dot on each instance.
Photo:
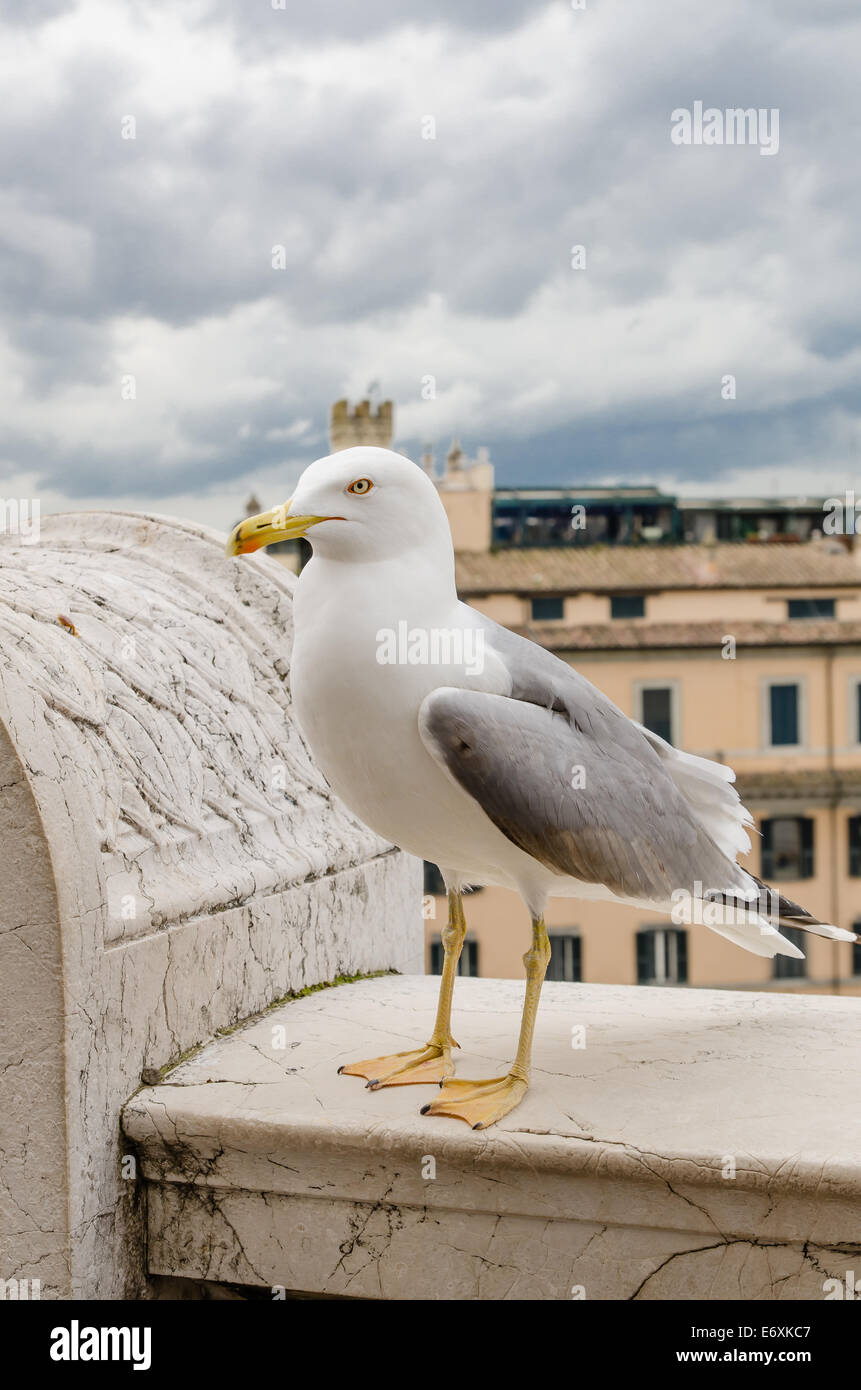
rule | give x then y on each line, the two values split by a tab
269	527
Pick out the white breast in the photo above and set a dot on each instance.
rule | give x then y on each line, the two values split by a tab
360	717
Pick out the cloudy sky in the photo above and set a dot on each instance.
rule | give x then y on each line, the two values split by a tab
404	257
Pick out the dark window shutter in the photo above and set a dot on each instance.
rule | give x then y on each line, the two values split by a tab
434	882
566	957
627	606
682	957
658	711
784	715
468	963
810	608
787	847
806	847
577	958
767	846
547	609
645	957
854	825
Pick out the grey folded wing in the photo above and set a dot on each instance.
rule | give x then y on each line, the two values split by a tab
574	783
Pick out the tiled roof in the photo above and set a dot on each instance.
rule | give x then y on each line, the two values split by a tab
608	569
622	636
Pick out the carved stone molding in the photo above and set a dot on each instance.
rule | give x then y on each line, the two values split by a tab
173	859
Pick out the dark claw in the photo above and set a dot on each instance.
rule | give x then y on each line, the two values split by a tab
425	1108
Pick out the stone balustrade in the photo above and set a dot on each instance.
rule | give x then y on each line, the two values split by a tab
172	861
675	1144
175	866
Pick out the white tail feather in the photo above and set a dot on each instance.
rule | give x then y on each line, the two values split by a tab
708	789
755	934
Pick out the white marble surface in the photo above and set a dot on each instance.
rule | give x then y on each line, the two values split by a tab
173	859
701	1144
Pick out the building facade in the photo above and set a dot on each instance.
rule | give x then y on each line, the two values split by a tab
749	654
731	628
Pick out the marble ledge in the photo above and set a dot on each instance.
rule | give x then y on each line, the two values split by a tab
674	1144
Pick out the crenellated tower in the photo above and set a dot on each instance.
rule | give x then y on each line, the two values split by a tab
361	425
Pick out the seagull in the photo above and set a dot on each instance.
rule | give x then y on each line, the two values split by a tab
471	747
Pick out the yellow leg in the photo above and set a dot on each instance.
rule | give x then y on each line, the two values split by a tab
431	1063
482	1103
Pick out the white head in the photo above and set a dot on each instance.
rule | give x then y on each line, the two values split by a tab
361	504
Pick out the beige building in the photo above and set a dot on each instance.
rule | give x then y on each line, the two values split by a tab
466	490
746	653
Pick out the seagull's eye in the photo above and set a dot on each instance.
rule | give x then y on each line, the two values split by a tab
360	486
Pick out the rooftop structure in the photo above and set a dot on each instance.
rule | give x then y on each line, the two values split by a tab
599	569
485	517
361	425
748	653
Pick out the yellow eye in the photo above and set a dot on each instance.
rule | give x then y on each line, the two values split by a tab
360	486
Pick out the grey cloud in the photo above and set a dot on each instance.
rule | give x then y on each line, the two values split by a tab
634	449
261	26
27	14
374	219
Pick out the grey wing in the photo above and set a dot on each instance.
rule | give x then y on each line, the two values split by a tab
706	787
574	783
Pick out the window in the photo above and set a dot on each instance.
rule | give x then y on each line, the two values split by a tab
787	847
810	608
467	965
546	609
656	710
434	881
854	846
783	715
790	967
566	960
662	956
627	606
